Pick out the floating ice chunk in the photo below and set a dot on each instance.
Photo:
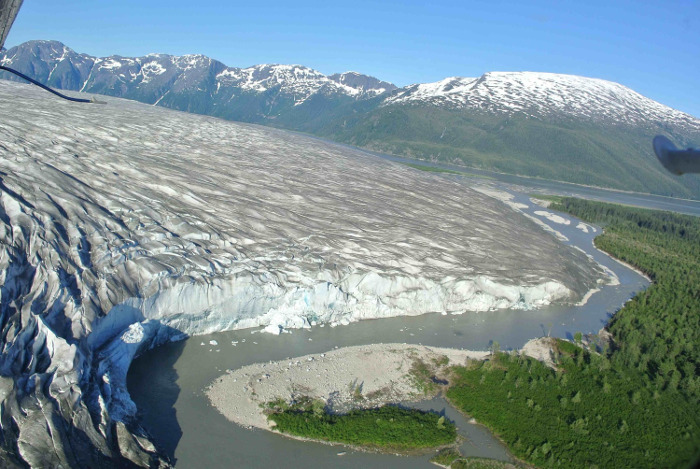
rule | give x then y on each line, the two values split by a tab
546	227
213	342
274	329
516	205
552	217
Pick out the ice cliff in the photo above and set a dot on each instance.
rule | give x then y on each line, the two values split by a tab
124	226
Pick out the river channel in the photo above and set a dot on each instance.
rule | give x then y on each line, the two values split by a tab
167	383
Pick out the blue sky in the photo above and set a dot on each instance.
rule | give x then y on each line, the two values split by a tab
651	46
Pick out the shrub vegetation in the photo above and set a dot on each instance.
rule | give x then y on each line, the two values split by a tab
388	428
481	463
638	404
446	457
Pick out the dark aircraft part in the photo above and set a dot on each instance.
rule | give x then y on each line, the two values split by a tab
674	160
31	80
8	12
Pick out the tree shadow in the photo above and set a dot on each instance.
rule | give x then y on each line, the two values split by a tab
608	317
155	395
413	407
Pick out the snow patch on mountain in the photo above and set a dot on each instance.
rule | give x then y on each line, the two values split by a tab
295	80
153	72
544	95
110	64
532	94
363	83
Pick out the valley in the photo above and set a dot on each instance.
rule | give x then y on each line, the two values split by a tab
551	126
127	226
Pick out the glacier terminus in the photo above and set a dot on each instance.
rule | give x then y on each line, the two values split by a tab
126	226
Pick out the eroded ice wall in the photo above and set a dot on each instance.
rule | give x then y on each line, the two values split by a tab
123	226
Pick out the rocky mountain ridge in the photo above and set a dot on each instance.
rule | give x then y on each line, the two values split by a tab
562	127
533	94
57	65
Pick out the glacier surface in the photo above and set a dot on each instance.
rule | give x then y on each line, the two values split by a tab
125	226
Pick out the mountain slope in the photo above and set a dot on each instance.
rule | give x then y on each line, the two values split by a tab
553	126
192	82
125	226
588	153
546	96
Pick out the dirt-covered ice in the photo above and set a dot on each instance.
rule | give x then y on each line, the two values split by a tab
125	225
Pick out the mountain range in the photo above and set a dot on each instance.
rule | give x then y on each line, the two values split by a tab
553	126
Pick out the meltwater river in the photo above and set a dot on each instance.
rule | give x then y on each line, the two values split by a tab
168	383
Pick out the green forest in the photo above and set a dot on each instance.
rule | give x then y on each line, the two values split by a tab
561	149
633	402
389	428
637	404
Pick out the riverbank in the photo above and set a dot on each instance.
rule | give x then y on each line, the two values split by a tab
360	376
199	365
626	264
345	378
638	373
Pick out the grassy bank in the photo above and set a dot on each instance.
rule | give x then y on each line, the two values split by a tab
451	458
637	404
388	428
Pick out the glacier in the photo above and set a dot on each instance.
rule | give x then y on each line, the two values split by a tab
124	226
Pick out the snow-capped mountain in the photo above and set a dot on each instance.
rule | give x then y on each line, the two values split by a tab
363	82
553	126
125	226
546	95
300	82
154	76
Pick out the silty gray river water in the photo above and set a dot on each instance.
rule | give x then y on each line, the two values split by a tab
168	383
